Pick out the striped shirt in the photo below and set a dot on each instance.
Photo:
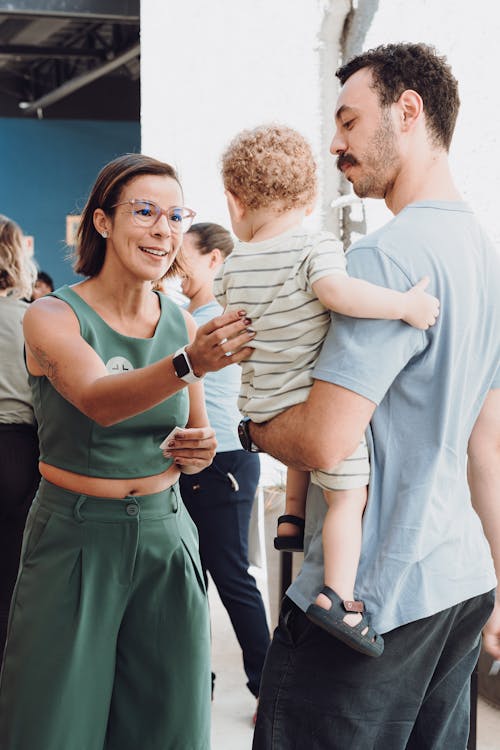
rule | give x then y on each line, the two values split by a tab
272	280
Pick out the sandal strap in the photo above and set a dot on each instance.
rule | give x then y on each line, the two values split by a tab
347	604
353	606
296	520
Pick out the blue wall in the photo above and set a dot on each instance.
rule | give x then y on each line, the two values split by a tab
47	168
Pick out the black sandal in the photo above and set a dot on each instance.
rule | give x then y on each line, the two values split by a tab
332	620
290	543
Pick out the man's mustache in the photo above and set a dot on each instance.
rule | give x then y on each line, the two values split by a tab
346	159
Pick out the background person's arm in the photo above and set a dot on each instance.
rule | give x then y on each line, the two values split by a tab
483	472
319	433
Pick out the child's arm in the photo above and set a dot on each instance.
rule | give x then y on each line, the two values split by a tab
361	299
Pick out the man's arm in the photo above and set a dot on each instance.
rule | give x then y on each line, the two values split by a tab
319	433
483	471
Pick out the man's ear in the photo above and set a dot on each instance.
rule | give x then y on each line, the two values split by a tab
235	206
410	108
101	222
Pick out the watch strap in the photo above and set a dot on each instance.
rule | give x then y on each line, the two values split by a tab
183	367
244	436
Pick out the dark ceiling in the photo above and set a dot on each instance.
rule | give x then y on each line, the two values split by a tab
70	59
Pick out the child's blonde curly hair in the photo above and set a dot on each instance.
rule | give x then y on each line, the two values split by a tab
270	166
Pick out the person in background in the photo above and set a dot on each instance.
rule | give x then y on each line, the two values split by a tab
43	285
108	644
220	497
19	475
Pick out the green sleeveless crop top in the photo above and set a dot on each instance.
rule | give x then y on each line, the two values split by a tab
70	440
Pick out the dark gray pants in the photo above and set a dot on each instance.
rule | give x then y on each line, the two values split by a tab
319	694
19	479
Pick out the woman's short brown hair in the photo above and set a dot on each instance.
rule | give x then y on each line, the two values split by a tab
17	270
271	166
90	246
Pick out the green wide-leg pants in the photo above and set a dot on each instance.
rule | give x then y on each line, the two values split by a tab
108	643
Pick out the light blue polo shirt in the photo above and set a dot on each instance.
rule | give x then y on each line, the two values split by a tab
221	391
423	545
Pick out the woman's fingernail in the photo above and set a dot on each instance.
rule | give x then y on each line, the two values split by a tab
247	321
167	454
250	330
242	313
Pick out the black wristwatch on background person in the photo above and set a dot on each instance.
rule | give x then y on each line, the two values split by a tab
183	368
244	436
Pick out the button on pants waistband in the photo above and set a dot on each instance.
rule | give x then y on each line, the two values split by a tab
82	507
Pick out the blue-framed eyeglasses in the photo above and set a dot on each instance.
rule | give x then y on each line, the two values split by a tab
146	213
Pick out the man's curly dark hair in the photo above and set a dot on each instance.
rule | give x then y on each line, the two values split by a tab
398	67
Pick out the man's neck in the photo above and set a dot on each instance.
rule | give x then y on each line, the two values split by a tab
428	179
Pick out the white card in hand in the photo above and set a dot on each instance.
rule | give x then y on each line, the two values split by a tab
173	433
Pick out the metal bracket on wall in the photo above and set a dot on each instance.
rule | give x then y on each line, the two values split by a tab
344	204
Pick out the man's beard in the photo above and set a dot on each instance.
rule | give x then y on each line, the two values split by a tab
377	163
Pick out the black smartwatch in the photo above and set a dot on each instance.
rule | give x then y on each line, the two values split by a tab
244	436
183	368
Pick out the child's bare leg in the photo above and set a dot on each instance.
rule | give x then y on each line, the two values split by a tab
342	544
297	483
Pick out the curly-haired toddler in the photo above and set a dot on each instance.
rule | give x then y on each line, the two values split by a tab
288	279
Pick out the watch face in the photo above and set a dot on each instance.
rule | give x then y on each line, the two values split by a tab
181	366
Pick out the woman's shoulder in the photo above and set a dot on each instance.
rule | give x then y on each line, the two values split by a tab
50	313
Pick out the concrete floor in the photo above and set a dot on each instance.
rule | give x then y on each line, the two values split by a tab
233	705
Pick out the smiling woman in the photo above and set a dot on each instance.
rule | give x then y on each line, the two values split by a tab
114	367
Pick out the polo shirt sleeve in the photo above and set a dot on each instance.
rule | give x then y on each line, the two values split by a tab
364	355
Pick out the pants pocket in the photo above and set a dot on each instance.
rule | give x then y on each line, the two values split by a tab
295	623
189	538
36	528
195	564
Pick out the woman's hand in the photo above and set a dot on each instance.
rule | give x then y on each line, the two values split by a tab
221	342
192	448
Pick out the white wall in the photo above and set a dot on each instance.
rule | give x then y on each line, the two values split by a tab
468	34
210	69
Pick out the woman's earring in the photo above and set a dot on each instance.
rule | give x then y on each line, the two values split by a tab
104	235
